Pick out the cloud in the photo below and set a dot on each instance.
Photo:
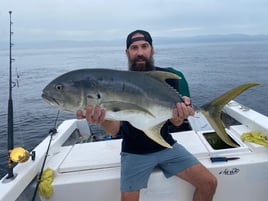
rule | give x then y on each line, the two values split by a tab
102	19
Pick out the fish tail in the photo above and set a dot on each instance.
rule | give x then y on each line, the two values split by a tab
212	111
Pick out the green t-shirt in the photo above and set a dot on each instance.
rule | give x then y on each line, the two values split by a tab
183	85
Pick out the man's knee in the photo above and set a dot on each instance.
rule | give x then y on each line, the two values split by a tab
130	196
211	183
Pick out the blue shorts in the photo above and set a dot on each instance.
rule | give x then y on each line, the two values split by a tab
136	168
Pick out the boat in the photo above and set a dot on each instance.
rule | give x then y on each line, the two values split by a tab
82	169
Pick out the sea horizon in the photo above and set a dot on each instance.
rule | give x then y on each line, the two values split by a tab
76	43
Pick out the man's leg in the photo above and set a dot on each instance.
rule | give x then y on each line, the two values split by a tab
204	182
130	196
135	172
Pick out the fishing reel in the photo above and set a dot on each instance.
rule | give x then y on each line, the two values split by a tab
21	155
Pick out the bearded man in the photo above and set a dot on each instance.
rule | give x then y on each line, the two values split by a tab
139	154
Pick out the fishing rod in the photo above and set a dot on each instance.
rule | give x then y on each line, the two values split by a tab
10	123
17	155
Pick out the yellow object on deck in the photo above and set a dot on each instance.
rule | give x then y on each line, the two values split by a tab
45	187
256	137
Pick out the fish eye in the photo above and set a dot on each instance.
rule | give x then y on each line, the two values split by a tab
59	87
97	96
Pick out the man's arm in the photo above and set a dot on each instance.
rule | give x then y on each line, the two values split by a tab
96	115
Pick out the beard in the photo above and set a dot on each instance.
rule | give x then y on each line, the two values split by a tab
133	64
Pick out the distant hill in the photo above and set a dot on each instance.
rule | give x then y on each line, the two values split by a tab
121	42
213	38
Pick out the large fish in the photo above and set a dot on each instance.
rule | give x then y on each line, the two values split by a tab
142	98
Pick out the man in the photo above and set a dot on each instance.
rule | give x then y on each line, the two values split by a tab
140	155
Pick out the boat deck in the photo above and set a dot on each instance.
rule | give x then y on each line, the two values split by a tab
106	154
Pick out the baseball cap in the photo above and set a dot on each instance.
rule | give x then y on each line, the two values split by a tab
146	37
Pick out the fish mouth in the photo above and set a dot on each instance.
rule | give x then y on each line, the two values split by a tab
50	99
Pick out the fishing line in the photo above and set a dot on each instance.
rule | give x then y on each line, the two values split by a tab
18	110
51	132
18	76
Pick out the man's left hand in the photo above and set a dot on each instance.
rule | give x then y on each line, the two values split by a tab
182	111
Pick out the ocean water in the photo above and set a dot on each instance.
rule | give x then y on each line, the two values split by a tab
210	68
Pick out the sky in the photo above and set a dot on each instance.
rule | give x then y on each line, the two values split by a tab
90	20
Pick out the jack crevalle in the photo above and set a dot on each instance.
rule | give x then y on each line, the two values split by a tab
142	98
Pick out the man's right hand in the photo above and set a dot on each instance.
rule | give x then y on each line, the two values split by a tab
93	114
96	115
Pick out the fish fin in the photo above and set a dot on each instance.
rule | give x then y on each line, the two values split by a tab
216	123
154	134
115	106
212	111
162	75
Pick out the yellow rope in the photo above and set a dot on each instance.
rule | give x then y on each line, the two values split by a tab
256	137
45	187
